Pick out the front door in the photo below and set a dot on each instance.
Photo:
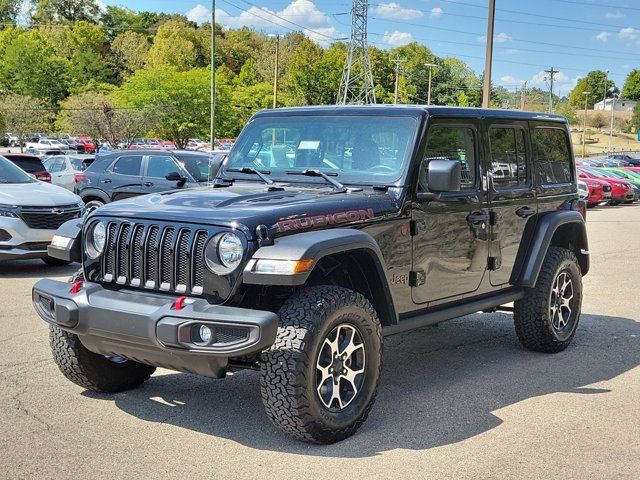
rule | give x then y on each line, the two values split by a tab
156	170
513	203
450	232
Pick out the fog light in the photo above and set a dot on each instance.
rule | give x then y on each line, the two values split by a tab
205	334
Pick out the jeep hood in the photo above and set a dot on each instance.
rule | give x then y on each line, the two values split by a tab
249	204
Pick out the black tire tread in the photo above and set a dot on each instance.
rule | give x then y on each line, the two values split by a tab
283	380
530	312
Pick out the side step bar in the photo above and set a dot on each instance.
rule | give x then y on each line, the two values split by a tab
455	311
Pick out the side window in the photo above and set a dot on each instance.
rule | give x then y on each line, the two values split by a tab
508	157
456	144
128	165
553	156
159	166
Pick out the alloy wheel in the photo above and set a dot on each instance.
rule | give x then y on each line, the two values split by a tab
560	305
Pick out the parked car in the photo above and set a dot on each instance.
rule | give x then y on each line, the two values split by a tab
591	191
625	173
64	168
30	213
87	144
151	144
612	172
621	190
299	272
196	144
629	160
10	140
31	164
47	144
122	174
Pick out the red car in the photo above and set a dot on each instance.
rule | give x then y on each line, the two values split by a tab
596	192
621	190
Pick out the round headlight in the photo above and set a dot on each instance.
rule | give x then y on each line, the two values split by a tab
224	253
96	239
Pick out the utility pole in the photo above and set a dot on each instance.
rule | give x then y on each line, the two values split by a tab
213	75
552	72
613	118
397	61
356	85
431	67
276	72
523	94
584	128
604	96
486	90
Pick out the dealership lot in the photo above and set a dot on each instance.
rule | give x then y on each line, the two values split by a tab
462	400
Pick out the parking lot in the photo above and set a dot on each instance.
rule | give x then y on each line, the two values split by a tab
462	400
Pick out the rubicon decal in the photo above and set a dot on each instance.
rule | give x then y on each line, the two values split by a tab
321	220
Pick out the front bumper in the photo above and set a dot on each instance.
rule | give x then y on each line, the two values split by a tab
149	329
24	242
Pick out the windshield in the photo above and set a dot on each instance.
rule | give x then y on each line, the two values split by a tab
9	173
358	150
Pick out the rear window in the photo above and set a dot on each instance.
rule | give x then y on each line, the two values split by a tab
28	164
508	157
553	155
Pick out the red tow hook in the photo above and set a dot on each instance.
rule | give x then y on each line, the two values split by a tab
77	286
179	303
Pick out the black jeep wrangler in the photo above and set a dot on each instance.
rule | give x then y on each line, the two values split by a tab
326	229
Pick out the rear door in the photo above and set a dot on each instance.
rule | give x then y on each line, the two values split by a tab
56	166
511	195
123	179
450	246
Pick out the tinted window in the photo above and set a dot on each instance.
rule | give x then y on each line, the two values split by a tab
129	165
9	173
28	164
199	166
553	155
456	144
160	166
56	165
508	157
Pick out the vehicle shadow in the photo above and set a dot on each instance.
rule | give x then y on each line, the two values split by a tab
439	386
35	269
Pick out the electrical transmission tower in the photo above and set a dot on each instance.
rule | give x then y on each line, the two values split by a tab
357	78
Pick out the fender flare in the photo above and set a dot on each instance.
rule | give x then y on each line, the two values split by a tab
73	251
95	192
546	227
317	245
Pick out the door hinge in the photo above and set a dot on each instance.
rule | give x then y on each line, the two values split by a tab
494	263
417	278
417	226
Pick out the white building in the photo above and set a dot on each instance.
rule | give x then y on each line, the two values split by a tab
621	105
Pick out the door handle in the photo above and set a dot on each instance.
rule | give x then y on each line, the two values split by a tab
525	212
148	184
477	218
106	180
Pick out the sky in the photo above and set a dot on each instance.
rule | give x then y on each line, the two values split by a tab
573	36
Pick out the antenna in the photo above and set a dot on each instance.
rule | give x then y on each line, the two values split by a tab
357	77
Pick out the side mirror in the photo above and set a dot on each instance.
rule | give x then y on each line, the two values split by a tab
444	176
176	177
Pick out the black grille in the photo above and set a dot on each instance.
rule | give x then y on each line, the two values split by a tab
231	334
606	188
156	257
48	218
4	236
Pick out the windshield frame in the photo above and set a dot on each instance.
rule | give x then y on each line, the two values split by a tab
399	177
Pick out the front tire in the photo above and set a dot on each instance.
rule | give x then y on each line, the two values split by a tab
547	316
320	378
93	205
92	371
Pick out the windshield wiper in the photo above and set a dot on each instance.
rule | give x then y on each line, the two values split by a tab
254	171
319	173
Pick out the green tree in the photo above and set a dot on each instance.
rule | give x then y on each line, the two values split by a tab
594	83
177	45
635	120
130	51
23	115
631	89
567	110
9	10
63	10
248	75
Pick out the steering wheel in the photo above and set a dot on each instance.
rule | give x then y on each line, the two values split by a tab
382	169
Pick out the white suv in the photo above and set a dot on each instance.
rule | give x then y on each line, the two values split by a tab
30	213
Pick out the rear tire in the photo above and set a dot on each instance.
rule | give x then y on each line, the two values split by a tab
92	371
320	378
55	262
93	205
547	316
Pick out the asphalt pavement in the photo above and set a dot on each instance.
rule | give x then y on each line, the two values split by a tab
461	400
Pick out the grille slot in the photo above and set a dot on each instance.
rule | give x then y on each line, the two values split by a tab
155	257
48	218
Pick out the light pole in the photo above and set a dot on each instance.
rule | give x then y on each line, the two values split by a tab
584	127
486	89
213	75
431	67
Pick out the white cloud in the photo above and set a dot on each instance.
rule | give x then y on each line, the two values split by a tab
614	15
436	12
508	79
398	38
498	38
603	36
512	51
397	11
316	24
199	14
562	82
630	35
